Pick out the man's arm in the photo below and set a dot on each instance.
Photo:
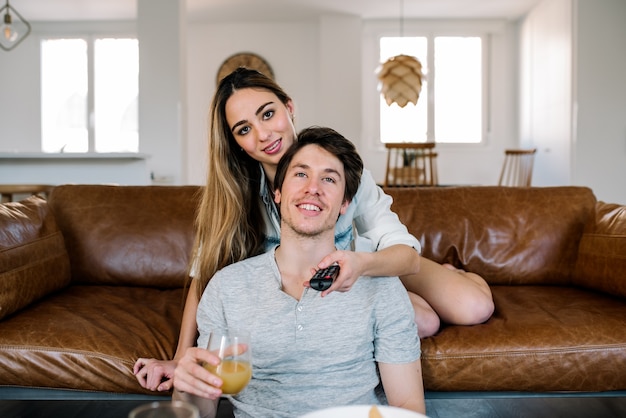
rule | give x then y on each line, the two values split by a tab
403	385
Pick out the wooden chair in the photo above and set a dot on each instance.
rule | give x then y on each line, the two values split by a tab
517	170
9	191
411	164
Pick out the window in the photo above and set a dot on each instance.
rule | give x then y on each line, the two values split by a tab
89	90
450	106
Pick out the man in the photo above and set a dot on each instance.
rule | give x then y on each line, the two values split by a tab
308	352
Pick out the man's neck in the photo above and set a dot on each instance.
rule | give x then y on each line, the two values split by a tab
296	257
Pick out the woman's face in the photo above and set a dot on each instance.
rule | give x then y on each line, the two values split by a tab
261	124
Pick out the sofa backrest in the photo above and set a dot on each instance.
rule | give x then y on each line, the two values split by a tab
127	235
509	235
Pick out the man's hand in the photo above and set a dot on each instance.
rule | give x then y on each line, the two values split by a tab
190	377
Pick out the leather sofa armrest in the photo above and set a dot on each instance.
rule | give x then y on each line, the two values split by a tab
601	263
33	258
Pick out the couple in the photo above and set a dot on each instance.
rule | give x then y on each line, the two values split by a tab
251	128
309	351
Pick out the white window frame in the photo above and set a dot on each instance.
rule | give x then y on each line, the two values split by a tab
373	30
89	31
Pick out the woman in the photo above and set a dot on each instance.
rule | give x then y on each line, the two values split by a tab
251	127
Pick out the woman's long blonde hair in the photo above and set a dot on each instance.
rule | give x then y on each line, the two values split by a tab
229	221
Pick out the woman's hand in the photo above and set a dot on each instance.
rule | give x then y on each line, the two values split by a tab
155	375
349	262
191	378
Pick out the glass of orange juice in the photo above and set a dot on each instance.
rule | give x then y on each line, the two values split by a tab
235	368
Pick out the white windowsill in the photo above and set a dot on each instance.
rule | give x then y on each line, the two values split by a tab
73	156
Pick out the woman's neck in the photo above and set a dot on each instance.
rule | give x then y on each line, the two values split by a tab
270	173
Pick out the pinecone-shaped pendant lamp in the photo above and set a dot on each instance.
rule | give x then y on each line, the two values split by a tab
401	80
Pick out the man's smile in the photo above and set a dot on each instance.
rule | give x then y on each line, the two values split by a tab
309	206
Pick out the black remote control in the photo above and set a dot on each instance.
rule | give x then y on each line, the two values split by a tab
323	278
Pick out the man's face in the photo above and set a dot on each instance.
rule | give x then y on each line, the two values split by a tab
312	195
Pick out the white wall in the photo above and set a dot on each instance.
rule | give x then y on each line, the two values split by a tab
63	169
339	85
325	86
161	31
600	88
321	63
546	90
20	114
573	94
292	49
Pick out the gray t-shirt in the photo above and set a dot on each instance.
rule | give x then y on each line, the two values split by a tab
313	353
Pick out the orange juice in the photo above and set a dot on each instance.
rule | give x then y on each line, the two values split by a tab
235	375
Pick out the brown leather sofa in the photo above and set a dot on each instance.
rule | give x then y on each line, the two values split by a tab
94	278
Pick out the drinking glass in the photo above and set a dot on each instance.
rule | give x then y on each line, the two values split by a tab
173	409
235	368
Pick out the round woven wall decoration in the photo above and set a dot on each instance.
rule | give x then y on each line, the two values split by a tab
247	60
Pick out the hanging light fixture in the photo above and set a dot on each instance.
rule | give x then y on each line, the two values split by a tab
400	76
13	29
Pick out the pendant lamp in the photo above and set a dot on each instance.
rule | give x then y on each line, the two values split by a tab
400	77
13	27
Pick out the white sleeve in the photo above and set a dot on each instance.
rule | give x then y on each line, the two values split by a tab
375	220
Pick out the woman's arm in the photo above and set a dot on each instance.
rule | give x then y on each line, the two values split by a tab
156	375
397	260
188	328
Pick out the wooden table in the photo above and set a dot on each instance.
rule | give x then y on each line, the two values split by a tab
7	191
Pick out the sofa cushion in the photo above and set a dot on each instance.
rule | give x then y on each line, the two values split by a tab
602	254
89	337
509	235
33	259
540	338
127	235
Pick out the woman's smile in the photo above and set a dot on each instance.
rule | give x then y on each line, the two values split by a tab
274	147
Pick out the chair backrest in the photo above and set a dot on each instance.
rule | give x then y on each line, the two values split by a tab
517	170
411	164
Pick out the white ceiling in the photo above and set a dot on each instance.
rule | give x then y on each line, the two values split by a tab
69	10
